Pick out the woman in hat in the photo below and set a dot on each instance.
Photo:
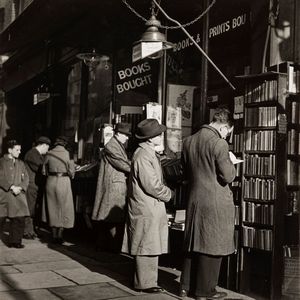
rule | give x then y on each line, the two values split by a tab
58	205
110	200
146	230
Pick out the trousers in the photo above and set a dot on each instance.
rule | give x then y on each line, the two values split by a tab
146	272
16	229
200	273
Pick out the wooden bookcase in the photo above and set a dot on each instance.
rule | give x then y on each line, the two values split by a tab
290	284
263	195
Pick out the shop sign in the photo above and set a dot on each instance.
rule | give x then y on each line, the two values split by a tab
145	49
134	77
228	25
40	97
219	29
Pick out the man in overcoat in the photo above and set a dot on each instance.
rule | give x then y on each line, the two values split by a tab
34	159
110	199
209	227
146	229
13	185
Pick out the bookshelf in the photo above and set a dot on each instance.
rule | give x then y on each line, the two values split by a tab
264	193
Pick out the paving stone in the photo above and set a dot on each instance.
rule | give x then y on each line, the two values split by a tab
8	270
37	280
23	256
85	276
142	296
90	291
48	266
28	295
4	286
125	285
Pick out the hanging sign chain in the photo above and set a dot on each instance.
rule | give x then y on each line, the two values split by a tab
171	27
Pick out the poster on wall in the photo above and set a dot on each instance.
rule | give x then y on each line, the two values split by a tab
182	96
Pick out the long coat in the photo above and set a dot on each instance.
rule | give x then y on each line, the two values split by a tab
146	230
210	208
13	174
34	160
58	208
111	190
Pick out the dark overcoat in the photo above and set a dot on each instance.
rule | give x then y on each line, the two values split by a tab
146	230
13	173
34	160
111	190
58	209
209	227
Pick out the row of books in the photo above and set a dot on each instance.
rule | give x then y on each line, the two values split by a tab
179	199
236	215
291	286
238	169
260	165
258	213
172	168
259	92
295	113
260	189
260	140
261	116
257	238
238	142
293	142
293	172
236	239
236	191
132	119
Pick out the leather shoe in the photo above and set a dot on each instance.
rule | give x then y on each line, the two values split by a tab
16	245
217	295
155	289
183	293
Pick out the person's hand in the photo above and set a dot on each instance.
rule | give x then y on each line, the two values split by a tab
16	190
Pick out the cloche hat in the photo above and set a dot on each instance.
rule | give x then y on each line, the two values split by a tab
43	140
61	140
149	128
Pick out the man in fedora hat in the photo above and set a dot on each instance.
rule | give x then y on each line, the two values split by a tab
110	199
34	159
146	230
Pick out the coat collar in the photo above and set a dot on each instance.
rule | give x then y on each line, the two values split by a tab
59	148
148	148
214	130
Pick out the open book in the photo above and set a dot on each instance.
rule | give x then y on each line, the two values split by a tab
234	159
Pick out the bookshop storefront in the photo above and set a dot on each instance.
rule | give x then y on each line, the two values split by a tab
181	90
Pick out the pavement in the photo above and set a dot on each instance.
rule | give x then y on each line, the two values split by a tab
76	271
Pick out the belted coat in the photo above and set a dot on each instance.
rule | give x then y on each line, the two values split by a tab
58	206
13	173
111	189
146	229
209	226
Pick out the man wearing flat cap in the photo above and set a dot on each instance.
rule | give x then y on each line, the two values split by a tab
146	229
110	199
34	160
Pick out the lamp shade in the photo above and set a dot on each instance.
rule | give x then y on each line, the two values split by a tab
152	41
